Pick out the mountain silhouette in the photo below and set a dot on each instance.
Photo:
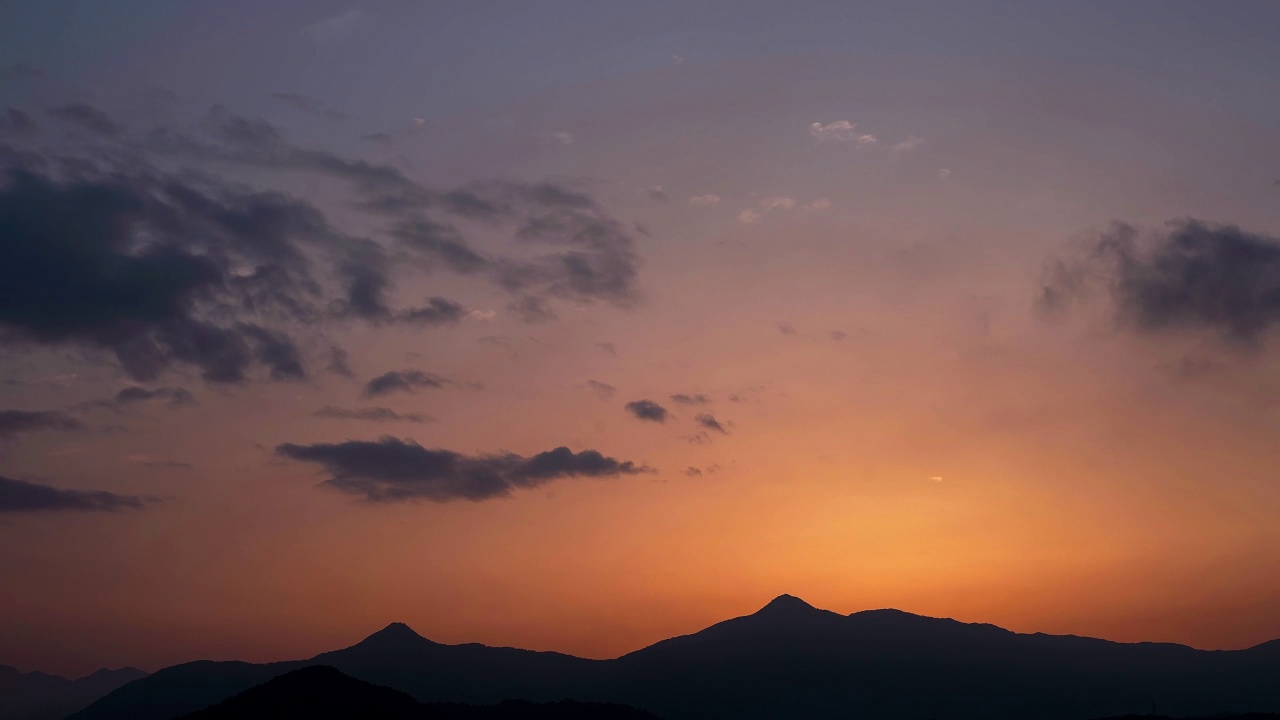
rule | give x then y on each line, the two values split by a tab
789	659
38	696
323	691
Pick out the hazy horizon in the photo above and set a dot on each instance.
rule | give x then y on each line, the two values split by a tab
583	325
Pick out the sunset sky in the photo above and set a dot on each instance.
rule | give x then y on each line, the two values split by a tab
578	325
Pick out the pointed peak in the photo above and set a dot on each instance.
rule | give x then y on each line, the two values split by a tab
787	603
396	631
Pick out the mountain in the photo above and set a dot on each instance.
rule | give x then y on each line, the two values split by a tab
37	696
323	691
789	659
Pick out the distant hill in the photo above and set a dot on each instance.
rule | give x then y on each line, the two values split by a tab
37	696
787	660
321	691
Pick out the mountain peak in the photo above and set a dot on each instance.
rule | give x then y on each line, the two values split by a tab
396	631
786	604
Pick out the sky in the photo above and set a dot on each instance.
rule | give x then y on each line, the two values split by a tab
579	325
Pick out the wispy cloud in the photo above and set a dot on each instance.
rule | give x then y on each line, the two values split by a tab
704	200
333	28
371	414
605	391
909	144
840	130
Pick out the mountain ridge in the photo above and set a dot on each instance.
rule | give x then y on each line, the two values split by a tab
788	657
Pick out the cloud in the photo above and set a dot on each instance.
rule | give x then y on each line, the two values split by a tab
175	397
532	309
593	257
339	362
943	174
647	410
371	414
563	137
21	422
909	144
839	335
382	138
657	193
74	269
748	216
402	381
692	472
88	117
333	28
608	347
840	130
15	122
780	202
153	463
604	390
17	496
392	470
818	205
786	328
22	70
867	140
1189	275
704	200
113	255
707	420
683	399
308	104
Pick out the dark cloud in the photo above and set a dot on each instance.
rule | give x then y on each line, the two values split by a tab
786	328
839	335
692	472
608	347
162	271
392	470
532	309
175	397
707	420
148	267
371	414
647	410
1190	275
402	381
22	70
604	390
683	399
276	351
17	496
151	463
15	122
442	243
308	104
582	254
19	422
88	117
437	311
339	362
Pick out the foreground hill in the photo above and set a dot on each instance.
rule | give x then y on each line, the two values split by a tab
323	691
787	660
37	696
